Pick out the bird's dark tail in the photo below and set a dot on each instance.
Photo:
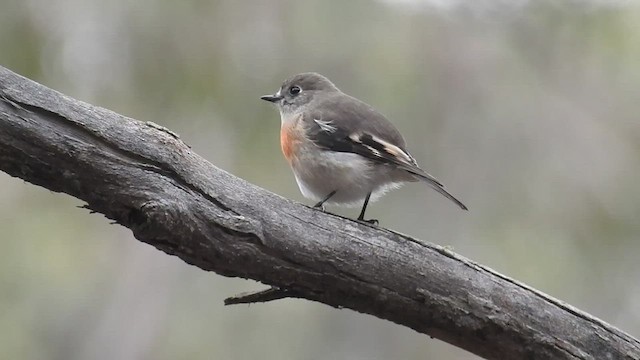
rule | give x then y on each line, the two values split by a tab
437	186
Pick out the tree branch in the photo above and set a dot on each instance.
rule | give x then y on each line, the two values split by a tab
144	177
270	294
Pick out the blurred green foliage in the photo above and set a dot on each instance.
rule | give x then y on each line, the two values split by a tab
529	111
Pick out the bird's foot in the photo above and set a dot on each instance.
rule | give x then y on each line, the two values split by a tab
319	206
373	222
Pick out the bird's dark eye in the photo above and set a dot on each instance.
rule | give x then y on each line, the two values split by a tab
295	90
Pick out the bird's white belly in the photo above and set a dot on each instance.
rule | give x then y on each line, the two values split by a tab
352	176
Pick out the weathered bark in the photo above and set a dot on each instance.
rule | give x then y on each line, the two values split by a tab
144	177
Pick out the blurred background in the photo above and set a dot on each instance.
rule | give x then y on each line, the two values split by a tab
527	110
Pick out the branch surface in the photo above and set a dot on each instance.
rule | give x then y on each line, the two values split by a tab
144	177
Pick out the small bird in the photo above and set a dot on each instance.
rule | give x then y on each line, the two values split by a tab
342	151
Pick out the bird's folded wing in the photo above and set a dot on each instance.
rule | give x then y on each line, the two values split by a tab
329	136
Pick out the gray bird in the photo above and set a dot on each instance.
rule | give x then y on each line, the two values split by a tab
341	150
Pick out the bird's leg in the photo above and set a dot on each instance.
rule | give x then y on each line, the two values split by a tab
364	208
320	204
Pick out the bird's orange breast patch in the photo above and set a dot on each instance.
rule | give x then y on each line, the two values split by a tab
289	140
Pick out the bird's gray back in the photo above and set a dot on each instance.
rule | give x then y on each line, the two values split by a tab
355	116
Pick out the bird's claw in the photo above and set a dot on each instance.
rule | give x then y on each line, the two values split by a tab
373	222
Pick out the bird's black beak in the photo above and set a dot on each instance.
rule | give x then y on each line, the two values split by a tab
272	98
